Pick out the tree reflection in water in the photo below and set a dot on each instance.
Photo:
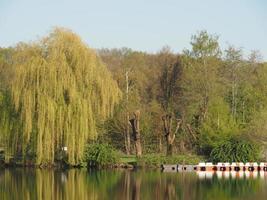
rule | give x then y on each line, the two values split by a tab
128	185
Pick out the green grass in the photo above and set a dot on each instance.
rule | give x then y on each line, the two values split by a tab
128	159
155	160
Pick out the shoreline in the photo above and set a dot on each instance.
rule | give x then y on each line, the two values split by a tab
147	161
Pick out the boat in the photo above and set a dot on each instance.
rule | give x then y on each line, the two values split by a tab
220	166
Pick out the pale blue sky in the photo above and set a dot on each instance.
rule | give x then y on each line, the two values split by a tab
138	24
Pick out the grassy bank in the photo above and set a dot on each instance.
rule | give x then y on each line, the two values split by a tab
156	160
99	155
104	155
124	161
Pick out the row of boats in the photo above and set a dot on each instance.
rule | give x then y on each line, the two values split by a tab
234	166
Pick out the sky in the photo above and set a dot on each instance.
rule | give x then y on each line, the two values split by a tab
145	25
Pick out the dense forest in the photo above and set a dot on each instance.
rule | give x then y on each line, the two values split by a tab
58	96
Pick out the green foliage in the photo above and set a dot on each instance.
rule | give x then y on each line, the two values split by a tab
219	95
57	92
235	150
205	45
60	91
218	126
258	129
100	155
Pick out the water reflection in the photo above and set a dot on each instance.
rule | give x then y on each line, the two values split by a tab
231	174
126	185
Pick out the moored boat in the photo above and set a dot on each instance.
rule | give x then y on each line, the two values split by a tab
219	167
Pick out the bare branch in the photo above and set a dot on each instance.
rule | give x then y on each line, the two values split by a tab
179	121
188	126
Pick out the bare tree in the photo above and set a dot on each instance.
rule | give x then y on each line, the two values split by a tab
169	134
127	136
135	123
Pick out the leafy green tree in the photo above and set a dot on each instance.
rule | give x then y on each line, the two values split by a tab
201	80
59	90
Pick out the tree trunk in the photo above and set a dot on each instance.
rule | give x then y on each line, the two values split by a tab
169	148
169	134
135	122
160	143
182	146
127	136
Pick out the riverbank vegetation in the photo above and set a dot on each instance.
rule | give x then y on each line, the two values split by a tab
63	101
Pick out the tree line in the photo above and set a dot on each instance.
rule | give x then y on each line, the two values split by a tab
57	94
191	102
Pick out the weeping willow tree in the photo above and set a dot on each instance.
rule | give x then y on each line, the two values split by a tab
59	91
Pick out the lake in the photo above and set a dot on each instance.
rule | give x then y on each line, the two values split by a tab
79	184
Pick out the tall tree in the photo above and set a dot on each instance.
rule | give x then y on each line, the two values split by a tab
59	89
201	73
234	63
135	123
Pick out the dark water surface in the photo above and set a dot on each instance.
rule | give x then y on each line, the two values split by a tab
79	184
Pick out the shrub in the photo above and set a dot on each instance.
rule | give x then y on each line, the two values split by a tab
235	150
100	155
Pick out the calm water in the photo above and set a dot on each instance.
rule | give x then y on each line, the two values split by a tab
78	184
